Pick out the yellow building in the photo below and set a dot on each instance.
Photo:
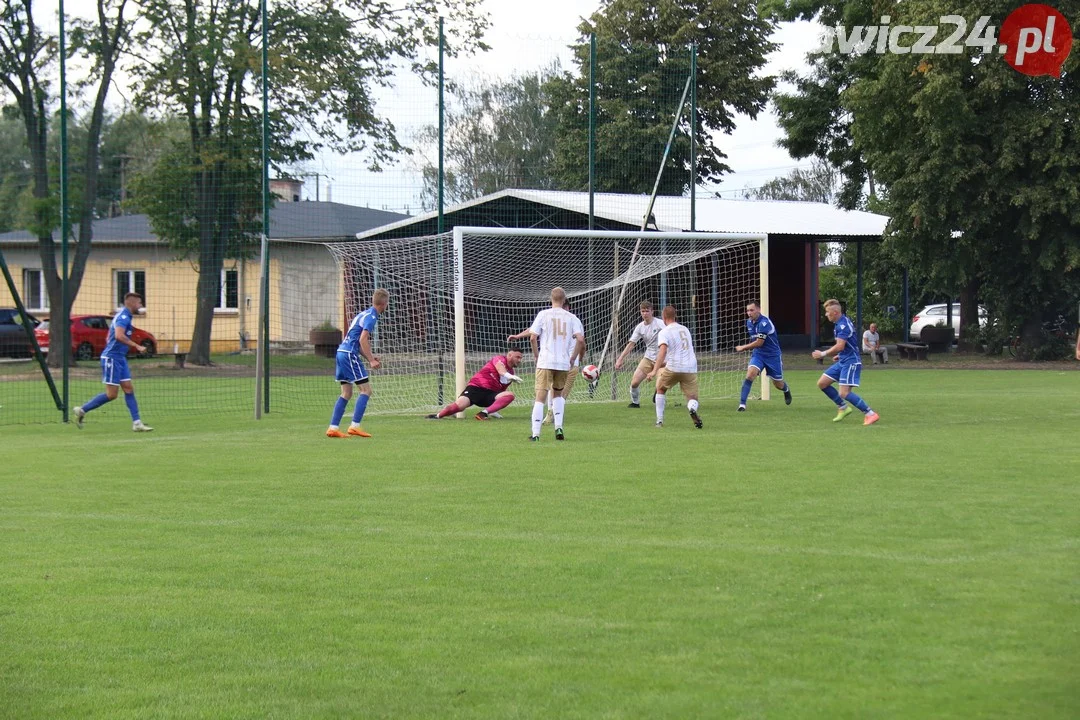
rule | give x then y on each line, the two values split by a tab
126	256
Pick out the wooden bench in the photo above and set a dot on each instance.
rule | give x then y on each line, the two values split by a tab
913	351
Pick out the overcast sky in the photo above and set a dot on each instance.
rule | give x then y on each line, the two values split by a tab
525	36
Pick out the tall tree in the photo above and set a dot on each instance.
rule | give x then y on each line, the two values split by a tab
27	58
643	60
500	134
818	183
202	60
815	124
980	162
14	165
127	142
977	161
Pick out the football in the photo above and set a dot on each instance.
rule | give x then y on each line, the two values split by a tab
590	372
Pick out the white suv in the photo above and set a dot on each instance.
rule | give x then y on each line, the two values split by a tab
931	315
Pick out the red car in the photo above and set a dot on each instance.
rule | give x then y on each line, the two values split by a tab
89	334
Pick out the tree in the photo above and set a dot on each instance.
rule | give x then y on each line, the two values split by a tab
973	157
202	61
14	165
979	161
500	135
27	56
131	145
814	122
127	141
643	60
814	184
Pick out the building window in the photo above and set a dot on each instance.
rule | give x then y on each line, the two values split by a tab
229	291
35	296
127	281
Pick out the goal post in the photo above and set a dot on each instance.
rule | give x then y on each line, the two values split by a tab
455	297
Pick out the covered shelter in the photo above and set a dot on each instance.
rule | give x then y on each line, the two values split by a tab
795	231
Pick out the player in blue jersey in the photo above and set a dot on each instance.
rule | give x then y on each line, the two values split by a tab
765	356
114	367
847	366
354	349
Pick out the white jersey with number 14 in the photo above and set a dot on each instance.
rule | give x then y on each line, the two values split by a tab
680	356
555	329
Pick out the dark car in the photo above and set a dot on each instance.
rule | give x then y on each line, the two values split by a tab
89	334
13	340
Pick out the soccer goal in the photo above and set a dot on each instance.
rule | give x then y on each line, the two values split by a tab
455	297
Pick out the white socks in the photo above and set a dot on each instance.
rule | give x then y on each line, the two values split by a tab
661	401
537	418
558	407
635	395
692	406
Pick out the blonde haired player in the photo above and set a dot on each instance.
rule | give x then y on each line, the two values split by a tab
647	331
353	350
847	367
558	330
676	364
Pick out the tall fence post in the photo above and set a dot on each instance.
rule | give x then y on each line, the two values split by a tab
592	139
264	345
65	227
693	138
441	190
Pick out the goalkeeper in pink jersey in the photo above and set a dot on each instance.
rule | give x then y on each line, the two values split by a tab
487	388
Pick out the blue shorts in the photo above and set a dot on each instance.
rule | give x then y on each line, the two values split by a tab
114	370
350	369
774	366
845	373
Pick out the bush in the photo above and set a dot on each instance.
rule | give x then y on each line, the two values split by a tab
325	326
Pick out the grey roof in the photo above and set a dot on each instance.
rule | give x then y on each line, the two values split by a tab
287	220
326	220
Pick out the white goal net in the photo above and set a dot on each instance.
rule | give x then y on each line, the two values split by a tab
455	297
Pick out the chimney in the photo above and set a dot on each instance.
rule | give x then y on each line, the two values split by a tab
286	189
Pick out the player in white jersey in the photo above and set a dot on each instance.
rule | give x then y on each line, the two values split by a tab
676	363
558	330
647	331
571	375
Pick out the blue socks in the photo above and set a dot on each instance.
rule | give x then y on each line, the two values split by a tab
361	406
858	402
95	402
358	411
746	385
339	410
833	394
133	407
101	398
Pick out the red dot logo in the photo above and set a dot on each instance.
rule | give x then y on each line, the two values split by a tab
1036	40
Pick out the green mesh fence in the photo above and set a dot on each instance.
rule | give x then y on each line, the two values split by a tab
185	234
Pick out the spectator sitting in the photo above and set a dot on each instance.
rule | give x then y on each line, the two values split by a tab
871	345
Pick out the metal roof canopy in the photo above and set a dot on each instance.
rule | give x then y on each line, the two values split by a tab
782	220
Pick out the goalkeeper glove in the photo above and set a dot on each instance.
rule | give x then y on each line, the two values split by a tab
508	378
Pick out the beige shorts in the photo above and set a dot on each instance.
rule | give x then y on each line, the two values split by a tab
645	366
687	382
549	379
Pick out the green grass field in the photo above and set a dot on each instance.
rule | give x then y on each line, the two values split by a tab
773	565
